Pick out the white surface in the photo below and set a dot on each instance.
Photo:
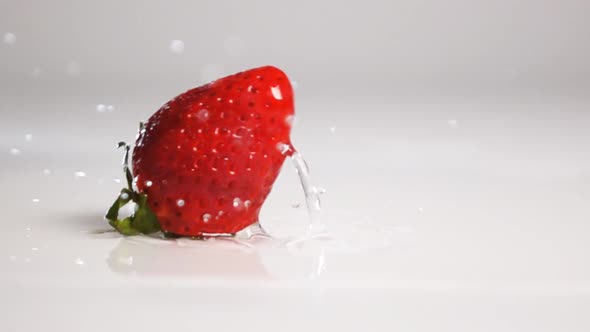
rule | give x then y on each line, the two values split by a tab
452	139
481	225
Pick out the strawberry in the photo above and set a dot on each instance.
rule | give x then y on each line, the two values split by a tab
205	162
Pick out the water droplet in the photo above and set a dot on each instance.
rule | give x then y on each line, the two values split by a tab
12	258
46	172
289	120
14	151
28	229
180	203
73	69
35	249
79	174
117	180
148	183
28	137
294	84
124	196
283	148
177	46
110	108
36	200
420	209
276	92
332	129
79	261
203	115
27	260
9	38
247	203
453	123
101	108
206	217
237	202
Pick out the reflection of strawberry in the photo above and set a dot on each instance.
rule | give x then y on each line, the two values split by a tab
206	161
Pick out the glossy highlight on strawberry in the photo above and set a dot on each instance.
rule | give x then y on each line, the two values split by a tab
207	159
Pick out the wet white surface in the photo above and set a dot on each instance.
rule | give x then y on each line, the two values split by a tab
465	214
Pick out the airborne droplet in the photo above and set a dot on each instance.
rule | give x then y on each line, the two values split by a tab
79	174
9	38
177	46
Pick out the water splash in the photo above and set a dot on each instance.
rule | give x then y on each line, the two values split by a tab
315	228
253	231
312	197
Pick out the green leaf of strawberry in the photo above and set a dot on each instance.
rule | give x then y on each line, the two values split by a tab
143	220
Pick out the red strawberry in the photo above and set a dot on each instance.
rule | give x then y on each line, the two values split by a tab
206	161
